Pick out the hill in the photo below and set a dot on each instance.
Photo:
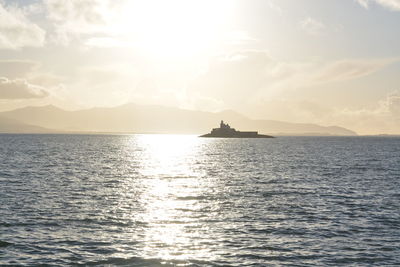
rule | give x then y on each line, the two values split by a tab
13	126
132	118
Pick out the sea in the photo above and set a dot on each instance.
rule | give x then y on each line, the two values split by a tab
180	200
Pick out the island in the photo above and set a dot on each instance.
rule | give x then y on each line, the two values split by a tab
225	131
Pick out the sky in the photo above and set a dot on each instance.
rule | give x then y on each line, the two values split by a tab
330	62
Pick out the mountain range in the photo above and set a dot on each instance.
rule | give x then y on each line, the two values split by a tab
133	118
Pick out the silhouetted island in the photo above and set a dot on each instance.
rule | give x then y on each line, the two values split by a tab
225	131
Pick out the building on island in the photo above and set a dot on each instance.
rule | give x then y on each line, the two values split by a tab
226	131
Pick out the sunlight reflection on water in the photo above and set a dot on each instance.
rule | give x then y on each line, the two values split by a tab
167	156
172	186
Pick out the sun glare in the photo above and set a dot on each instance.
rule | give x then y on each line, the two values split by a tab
176	27
172	196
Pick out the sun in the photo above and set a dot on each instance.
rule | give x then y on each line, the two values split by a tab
175	28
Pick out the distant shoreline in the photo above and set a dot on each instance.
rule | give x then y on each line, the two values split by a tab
194	134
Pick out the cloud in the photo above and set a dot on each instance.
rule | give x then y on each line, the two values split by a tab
238	38
103	75
392	104
46	79
383	118
84	13
393	5
274	6
102	85
244	77
312	26
17	68
234	77
350	69
105	42
16	31
20	89
363	3
72	18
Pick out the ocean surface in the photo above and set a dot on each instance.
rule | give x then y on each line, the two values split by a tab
170	200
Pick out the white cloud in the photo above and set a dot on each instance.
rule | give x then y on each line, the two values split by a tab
16	31
243	77
17	68
259	86
390	4
238	38
274	6
363	3
350	69
393	105
383	118
312	26
106	42
20	89
83	13
104	85
72	18
235	77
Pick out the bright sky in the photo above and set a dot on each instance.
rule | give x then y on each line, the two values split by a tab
331	62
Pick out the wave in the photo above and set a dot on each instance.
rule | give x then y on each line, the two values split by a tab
5	244
138	261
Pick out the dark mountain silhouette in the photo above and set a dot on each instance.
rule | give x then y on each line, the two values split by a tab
132	118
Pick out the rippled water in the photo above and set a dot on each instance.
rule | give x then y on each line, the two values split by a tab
147	200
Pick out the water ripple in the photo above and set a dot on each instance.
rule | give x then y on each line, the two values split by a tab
160	200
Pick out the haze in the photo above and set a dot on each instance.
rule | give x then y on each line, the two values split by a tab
325	62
